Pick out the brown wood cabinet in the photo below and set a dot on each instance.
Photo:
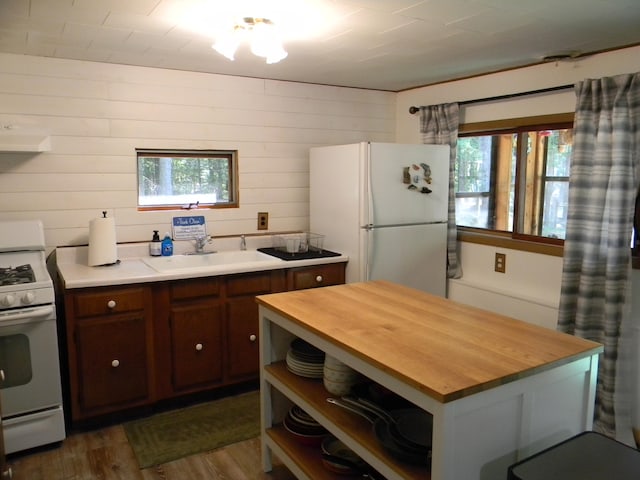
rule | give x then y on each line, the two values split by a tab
206	330
316	276
242	356
109	338
196	328
131	346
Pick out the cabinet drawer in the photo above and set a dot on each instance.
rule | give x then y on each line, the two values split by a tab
248	284
195	288
113	300
316	276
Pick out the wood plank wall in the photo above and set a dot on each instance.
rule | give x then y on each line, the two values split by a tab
97	115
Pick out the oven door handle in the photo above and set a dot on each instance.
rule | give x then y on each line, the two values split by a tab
26	315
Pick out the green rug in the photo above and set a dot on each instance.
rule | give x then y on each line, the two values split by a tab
172	435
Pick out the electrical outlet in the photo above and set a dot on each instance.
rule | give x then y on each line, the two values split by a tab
263	220
501	263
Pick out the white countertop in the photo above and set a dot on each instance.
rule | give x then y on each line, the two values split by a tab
76	273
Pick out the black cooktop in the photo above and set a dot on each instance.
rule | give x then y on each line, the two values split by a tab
274	252
16	275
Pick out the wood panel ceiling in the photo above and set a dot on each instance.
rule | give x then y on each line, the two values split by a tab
376	44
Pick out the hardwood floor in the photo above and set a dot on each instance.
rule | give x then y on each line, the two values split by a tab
106	455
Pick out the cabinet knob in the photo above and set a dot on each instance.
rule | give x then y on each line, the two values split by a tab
252	338
319	279
8	473
111	304
198	346
115	363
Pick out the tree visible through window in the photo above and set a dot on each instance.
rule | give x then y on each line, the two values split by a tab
515	180
186	179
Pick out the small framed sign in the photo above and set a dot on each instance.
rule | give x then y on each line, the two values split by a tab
188	228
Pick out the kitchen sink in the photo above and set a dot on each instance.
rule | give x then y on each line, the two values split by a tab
215	262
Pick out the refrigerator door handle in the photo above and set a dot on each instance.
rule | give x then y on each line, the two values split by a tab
370	214
371	226
369	253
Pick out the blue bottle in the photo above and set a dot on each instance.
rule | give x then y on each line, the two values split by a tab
167	246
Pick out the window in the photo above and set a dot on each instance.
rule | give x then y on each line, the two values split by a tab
515	180
169	179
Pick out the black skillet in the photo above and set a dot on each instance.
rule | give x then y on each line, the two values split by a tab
383	397
357	467
407	423
410	427
396	445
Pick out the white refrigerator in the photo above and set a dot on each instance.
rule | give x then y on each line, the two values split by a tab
385	206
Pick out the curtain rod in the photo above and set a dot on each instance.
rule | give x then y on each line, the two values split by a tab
413	110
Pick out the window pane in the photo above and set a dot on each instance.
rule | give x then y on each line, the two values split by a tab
556	187
176	178
485	183
554	217
529	166
472	211
559	153
473	168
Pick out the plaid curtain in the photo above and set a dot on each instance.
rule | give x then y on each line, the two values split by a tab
603	184
439	126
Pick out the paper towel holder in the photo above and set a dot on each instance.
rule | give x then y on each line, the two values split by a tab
103	250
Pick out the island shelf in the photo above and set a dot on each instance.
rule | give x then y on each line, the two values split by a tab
499	389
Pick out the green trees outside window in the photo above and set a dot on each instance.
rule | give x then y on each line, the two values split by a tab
514	180
187	179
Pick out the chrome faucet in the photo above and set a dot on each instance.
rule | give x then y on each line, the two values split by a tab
201	242
243	243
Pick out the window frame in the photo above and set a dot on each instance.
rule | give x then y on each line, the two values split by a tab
521	242
230	155
506	239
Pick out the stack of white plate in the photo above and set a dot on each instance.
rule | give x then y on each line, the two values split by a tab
305	360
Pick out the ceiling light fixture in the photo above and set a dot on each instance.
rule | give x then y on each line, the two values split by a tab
261	33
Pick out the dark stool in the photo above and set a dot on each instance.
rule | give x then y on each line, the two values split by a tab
587	456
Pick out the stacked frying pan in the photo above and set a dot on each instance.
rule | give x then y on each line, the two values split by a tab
404	433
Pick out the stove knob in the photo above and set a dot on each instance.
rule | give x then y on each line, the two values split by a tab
28	298
7	300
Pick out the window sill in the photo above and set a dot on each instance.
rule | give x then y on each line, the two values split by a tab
497	239
501	240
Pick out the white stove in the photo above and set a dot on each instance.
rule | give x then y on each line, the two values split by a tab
24	280
30	389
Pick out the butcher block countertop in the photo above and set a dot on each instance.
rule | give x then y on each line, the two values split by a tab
443	348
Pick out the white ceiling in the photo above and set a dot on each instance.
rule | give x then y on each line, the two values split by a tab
377	44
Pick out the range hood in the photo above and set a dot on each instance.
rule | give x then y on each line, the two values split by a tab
12	141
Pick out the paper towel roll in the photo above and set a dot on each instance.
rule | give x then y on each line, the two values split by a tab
103	248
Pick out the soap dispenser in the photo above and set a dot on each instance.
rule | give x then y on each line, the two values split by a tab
167	245
155	246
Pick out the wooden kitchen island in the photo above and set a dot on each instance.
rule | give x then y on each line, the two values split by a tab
499	389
